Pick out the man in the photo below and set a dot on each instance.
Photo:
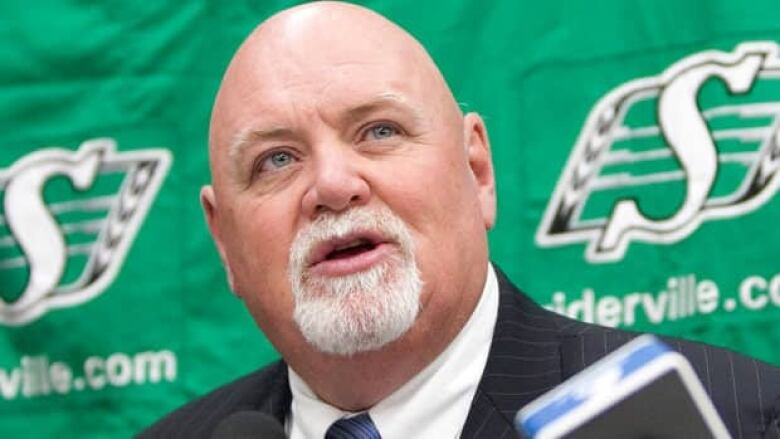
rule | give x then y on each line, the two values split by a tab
349	204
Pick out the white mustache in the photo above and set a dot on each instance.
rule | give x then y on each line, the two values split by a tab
330	226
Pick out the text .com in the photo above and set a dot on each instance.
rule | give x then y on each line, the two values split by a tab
37	376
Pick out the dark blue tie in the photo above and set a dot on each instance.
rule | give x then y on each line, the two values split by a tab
356	427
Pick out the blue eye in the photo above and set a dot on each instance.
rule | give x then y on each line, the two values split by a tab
280	159
275	160
382	131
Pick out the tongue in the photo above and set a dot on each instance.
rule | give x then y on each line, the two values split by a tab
349	252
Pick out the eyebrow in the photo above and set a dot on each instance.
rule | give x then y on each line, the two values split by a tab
247	137
393	100
382	101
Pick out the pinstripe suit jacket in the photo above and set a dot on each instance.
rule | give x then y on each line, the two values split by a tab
533	350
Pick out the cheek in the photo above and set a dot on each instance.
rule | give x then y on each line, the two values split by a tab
434	195
437	198
261	235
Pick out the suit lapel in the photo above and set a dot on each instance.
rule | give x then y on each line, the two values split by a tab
524	362
275	399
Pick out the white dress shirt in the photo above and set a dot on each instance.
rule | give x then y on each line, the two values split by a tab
433	404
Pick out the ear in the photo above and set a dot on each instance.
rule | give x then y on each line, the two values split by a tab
481	163
209	203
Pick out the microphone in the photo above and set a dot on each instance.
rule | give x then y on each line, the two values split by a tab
248	425
642	390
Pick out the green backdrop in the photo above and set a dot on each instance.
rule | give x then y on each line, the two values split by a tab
635	144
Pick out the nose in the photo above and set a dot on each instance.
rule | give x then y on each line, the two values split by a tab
337	184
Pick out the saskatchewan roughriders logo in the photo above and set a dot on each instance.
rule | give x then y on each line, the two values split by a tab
67	221
657	156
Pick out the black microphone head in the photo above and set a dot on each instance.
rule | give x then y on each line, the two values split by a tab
248	424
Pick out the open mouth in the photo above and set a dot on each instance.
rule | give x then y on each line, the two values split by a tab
351	253
351	249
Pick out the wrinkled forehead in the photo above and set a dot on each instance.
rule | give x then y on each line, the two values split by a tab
285	71
294	88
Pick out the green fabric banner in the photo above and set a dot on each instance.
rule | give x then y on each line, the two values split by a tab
636	147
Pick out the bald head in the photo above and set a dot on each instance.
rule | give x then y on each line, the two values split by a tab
322	46
328	110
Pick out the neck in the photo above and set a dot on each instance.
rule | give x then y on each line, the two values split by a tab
360	381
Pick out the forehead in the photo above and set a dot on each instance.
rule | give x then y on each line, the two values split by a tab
280	82
329	84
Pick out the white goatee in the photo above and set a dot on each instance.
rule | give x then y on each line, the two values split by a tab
362	311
